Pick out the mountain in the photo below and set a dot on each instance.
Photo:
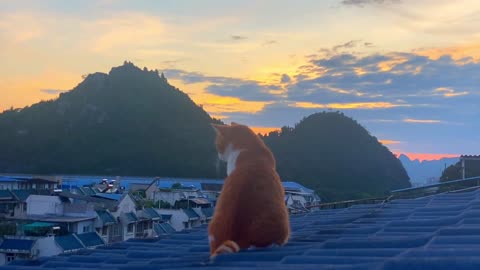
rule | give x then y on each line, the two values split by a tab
127	122
131	121
423	172
337	157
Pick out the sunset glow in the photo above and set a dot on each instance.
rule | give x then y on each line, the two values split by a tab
403	70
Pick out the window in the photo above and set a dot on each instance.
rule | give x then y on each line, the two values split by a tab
130	228
86	229
10	257
104	230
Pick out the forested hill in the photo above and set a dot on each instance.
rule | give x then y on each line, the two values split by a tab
127	122
337	157
133	122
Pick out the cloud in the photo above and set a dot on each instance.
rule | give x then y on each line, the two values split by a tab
347	45
422	121
285	78
389	142
269	42
248	90
363	3
52	91
237	37
347	106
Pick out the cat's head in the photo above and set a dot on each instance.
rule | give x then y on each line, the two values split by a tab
234	137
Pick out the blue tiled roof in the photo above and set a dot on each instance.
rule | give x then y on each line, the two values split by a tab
163	228
110	196
22	194
106	217
152	213
191	213
166	217
9	179
436	232
87	191
19	245
6	195
90	239
208	212
131	217
68	242
196	183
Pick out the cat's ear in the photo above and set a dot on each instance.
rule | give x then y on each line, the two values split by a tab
219	129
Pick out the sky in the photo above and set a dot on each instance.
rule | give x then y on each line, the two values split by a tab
408	71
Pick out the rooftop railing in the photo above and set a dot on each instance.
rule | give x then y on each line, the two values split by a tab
413	192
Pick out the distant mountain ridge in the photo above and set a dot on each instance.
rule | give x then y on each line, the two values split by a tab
426	171
131	121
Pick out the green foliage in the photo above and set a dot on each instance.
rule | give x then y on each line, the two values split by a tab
454	172
163	204
150	204
127	122
8	228
176	186
337	157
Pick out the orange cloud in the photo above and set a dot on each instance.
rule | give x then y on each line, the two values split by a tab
216	105
448	92
421	121
427	156
456	52
389	142
355	105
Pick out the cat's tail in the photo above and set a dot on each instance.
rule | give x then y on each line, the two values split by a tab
228	246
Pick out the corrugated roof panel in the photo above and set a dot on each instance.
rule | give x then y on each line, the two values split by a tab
91	239
17	245
68	242
191	213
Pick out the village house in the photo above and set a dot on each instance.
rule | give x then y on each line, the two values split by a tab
34	247
29	182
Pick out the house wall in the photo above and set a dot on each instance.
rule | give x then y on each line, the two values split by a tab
3	259
167	196
43	205
47	246
150	191
8	185
124	206
178	218
128	235
174	195
20	210
88	224
79	210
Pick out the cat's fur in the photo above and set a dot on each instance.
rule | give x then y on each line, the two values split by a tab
251	210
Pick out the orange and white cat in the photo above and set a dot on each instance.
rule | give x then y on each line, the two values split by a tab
250	211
